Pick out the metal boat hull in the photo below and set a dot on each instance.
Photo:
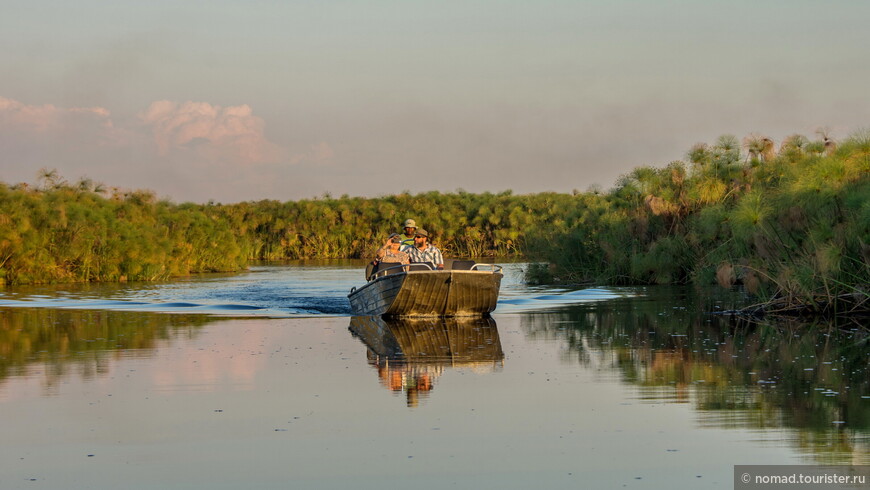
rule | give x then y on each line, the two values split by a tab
432	293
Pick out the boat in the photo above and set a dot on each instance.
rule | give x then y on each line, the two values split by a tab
420	290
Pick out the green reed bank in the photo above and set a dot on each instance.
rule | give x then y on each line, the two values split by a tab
788	221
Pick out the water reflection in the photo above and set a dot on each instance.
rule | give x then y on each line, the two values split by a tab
808	384
62	341
410	354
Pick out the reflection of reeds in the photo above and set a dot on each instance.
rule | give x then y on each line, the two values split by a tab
812	379
83	340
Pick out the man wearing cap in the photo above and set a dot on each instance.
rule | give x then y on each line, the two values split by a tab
423	251
410	227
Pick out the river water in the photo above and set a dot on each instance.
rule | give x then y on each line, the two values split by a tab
264	380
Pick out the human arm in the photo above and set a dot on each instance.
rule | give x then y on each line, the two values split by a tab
383	250
438	259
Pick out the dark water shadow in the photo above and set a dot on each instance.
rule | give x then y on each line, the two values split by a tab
410	354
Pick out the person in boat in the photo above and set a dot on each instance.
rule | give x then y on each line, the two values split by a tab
423	251
410	227
391	251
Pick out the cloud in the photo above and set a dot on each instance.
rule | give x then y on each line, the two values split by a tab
52	121
190	150
41	117
214	133
192	132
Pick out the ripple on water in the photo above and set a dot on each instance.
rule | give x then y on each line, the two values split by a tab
559	298
279	290
237	307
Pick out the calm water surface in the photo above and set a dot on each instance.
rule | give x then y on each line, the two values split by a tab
264	380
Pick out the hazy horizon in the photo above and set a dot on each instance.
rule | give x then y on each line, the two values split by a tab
240	101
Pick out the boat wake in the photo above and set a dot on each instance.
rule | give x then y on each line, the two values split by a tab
272	291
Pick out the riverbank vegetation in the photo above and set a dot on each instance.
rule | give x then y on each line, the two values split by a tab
57	231
791	224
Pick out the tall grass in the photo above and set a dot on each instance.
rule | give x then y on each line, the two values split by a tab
59	232
792	226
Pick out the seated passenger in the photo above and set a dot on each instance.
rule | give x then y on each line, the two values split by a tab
391	253
423	251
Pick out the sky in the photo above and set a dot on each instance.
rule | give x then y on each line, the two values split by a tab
246	100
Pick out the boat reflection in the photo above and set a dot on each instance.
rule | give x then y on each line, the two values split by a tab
409	354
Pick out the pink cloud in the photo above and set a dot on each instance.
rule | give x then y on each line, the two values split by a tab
15	115
179	133
190	151
210	131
